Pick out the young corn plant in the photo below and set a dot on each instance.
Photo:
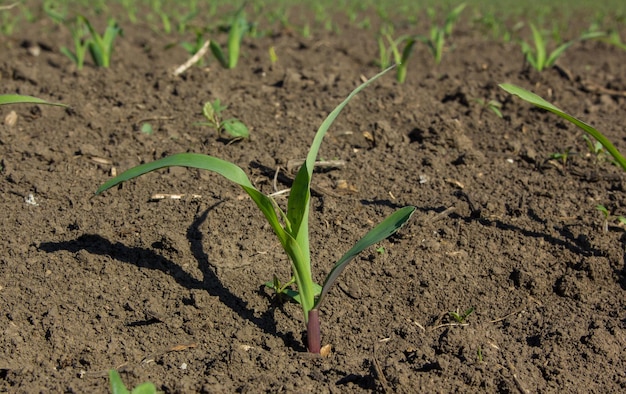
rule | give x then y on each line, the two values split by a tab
400	56
291	226
438	34
609	218
591	131
539	58
86	38
491	105
239	26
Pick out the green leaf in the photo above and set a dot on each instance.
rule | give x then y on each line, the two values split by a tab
384	229
540	49
204	162
235	128
541	103
145	388
452	17
554	55
117	386
298	202
217	52
146	128
20	99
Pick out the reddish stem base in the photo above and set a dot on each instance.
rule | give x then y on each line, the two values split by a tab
313	337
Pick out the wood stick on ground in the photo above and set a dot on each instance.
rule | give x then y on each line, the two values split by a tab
192	60
379	371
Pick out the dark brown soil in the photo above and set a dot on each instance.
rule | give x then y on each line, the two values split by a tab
171	291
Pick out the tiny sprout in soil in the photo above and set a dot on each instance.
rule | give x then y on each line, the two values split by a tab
460	317
290	226
118	387
233	127
609	218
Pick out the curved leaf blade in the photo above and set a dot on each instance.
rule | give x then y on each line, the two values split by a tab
224	168
383	230
298	202
543	104
20	99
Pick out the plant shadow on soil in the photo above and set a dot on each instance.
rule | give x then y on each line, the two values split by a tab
527	253
149	258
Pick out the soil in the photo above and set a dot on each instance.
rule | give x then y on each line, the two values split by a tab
171	291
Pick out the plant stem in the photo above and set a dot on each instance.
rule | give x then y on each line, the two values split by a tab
313	332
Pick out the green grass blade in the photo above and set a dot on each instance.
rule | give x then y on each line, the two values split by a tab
404	59
383	230
540	48
95	44
20	99
452	17
298	204
217	52
235	36
382	50
438	45
554	55
541	103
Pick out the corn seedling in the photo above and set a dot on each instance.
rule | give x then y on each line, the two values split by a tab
85	38
400	57
596	149
460	317
118	387
237	29
291	226
438	34
56	10
491	105
609	218
539	58
212	111
563	157
543	104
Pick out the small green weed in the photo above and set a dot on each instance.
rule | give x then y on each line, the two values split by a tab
235	128
461	317
118	387
563	157
491	105
609	218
